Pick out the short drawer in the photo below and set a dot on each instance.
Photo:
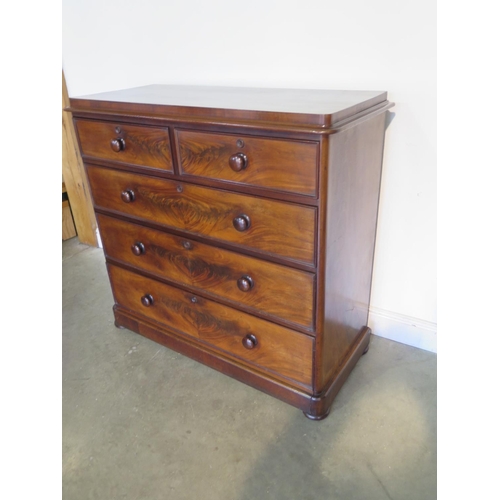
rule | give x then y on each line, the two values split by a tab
124	143
265	345
274	227
282	165
264	287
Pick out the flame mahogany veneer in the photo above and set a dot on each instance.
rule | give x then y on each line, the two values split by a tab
239	226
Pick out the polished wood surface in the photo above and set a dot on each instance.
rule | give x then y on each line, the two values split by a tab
253	254
275	291
125	143
274	164
283	352
321	403
279	228
229	365
322	108
351	213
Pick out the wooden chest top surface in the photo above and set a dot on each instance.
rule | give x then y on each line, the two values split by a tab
321	108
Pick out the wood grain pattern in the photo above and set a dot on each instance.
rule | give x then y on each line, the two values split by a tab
144	146
278	291
68	227
253	254
355	162
281	351
272	163
75	179
279	228
319	108
231	366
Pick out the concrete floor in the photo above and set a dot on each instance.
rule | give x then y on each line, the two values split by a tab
143	422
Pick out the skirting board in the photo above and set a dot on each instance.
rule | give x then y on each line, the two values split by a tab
403	329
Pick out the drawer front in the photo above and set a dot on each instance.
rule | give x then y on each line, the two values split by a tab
272	348
120	142
263	286
269	226
271	163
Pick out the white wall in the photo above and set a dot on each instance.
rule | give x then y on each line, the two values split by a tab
360	44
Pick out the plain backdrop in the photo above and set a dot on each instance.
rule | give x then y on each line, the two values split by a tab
324	44
361	44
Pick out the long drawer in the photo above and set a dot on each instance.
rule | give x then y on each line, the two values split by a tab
273	289
282	165
265	345
279	228
124	143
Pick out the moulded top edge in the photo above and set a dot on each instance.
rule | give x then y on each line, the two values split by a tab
308	107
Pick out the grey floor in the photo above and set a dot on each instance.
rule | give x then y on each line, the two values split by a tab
143	422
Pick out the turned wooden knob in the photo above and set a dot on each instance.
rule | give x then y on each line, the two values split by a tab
238	161
245	283
147	300
138	248
128	196
117	144
241	222
249	341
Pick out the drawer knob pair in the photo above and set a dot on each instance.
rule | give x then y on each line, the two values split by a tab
238	162
117	144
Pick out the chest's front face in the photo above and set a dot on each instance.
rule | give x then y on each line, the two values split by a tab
215	223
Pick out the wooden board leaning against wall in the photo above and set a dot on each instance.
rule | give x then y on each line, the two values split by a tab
75	178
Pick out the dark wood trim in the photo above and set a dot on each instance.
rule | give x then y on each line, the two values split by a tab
210	115
355	162
321	255
214	298
271	129
321	404
249	128
261	192
214	359
315	407
317	108
338	231
303	266
356	120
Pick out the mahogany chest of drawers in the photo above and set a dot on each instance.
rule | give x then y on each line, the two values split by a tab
239	224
